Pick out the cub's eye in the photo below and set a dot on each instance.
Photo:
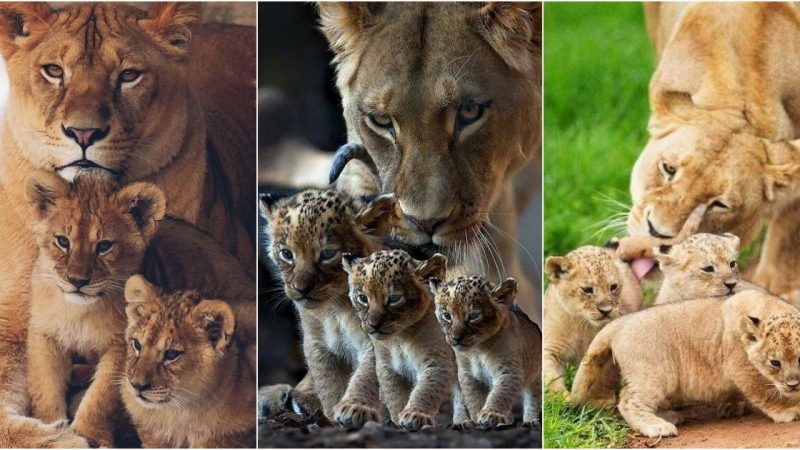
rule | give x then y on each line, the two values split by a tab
775	363
588	290
361	298
474	316
327	254
733	264
172	355
447	317
669	170
129	75
52	71
614	287
381	121
286	255
62	242
137	347
708	269
469	112
103	247
718	204
393	299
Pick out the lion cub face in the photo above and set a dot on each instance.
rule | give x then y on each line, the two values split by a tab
589	283
470	309
308	234
773	347
704	263
387	289
91	233
175	344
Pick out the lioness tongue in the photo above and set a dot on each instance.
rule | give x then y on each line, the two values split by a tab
642	266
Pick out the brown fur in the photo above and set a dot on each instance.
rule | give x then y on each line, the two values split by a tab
416	368
456	176
206	397
498	349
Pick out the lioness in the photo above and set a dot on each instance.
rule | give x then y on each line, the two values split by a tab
110	87
442	101
725	105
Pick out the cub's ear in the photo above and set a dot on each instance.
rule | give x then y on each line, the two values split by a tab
733	240
434	284
557	268
215	318
144	203
42	189
435	266
506	292
662	254
379	209
139	290
751	329
348	261
265	204
171	24
21	20
514	31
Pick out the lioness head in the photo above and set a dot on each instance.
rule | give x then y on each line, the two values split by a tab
773	347
175	344
97	85
445	99
92	234
589	283
703	265
470	309
736	174
388	290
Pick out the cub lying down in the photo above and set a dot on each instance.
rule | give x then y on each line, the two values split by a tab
713	350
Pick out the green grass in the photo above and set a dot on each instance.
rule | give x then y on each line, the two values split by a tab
584	427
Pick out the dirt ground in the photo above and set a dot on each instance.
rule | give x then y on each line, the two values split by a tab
703	430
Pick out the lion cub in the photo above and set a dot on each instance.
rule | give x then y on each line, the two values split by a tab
308	233
589	287
189	383
497	348
416	368
712	350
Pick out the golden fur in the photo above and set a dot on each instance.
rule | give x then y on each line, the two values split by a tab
465	116
497	347
188	382
672	355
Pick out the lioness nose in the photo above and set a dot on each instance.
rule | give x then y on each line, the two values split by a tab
141	387
84	136
428	226
78	282
730	284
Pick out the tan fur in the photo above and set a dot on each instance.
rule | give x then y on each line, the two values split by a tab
339	355
416	368
206	397
725	107
416	64
165	144
574	316
497	347
711	350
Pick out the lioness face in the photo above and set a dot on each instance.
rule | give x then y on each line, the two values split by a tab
97	86
773	347
690	166
703	265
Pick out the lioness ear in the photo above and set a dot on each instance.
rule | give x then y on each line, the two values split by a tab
344	23
371	214
435	266
171	24
732	240
557	267
348	260
777	178
514	31
42	188
19	20
144	203
506	292
215	318
265	204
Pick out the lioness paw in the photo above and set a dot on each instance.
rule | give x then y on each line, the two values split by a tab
491	419
414	420
353	415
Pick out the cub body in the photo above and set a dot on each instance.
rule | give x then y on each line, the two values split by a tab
415	366
497	348
589	288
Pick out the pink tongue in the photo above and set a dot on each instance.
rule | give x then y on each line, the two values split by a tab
642	266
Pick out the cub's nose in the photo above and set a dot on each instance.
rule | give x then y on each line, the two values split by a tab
85	136
78	282
141	387
303	289
793	383
427	226
730	284
605	309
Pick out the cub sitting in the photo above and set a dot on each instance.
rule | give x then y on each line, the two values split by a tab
308	233
497	348
189	383
589	287
712	350
416	368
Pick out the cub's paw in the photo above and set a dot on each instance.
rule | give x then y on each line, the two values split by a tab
353	415
414	420
464	425
662	429
491	419
273	400
95	436
535	423
733	409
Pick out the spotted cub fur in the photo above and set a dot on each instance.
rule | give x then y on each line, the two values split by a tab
589	287
416	368
497	347
308	233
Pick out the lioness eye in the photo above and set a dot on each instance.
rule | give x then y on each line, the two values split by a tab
137	347
171	355
587	290
327	254
62	242
53	71
381	121
447	317
103	247
361	298
468	112
286	255
775	363
718	204
669	170
393	299
129	75
733	264
708	269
